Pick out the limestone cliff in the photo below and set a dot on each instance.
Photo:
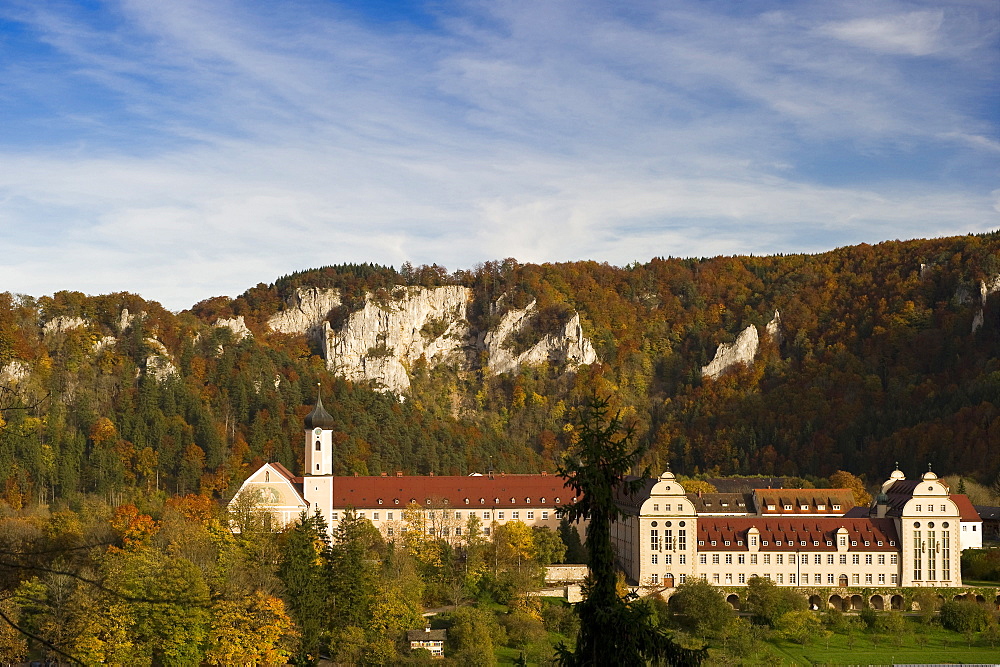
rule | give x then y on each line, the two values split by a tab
986	288
742	351
380	342
569	346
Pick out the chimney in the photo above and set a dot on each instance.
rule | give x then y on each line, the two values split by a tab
699	493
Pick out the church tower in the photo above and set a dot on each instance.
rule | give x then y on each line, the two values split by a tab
317	482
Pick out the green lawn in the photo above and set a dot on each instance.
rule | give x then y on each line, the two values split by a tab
943	646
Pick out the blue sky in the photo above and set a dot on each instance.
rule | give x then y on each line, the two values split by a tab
187	149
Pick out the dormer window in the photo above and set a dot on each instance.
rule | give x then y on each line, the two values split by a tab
777	543
788	508
770	507
557	499
804	508
379	501
543	500
821	507
836	508
466	501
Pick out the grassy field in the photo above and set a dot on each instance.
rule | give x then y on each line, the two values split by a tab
942	646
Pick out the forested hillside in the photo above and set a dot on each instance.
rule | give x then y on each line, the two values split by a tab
877	360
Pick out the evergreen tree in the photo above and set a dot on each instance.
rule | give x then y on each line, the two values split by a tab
613	631
305	557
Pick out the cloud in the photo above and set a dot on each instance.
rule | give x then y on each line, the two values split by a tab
190	149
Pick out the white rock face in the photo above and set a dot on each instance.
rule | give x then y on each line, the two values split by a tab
126	319
305	311
379	342
773	329
742	351
568	346
986	288
159	364
61	323
237	325
14	372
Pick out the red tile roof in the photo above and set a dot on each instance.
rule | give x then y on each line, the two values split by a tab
787	533
965	507
502	491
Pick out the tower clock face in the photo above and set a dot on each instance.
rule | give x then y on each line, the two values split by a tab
317	431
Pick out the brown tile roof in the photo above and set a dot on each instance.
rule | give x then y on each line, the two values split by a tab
503	491
965	507
787	533
722	503
811	498
426	636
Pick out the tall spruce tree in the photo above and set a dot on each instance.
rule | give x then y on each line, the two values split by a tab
305	558
613	630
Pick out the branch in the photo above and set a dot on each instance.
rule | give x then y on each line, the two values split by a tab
47	644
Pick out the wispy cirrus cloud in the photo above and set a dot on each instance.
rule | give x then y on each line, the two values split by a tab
187	149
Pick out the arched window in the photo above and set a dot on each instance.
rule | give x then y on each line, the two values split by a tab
267	475
318	445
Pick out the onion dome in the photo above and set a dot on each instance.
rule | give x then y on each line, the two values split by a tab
882	499
319	417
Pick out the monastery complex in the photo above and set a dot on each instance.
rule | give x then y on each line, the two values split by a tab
911	535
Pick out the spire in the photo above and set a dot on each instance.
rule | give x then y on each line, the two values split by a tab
319	417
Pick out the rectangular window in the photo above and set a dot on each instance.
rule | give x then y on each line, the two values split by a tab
779	559
683	559
667	507
791	559
654	578
829	559
753	559
458	515
818	560
919	507
515	516
486	515
499	516
932	547
855	559
868	559
893	559
946	555
682	540
668	540
894	578
829	579
842	541
389	515
654	559
729	578
654	540
668	559
779	578
531	515
818	578
703	558
791	579
753	540
545	516
486	532
881	559
843	559
767	559
559	514
742	578
715	577
715	559
741	559
917	554
881	579
656	508
458	530
868	578
684	578
389	531
855	579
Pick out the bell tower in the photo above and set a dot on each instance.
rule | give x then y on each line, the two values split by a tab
317	482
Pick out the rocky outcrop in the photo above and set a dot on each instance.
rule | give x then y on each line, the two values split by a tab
14	373
237	325
986	288
773	329
742	351
159	364
569	346
305	311
61	324
380	342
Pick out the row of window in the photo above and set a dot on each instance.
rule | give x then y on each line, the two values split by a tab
500	515
841	541
803	508
792	559
667	507
930	508
482	501
793	579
